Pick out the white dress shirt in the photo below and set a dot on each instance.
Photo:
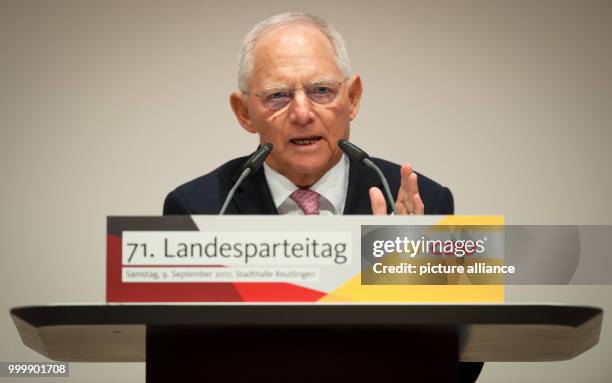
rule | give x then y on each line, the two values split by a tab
331	187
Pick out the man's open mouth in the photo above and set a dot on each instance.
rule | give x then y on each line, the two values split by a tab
306	140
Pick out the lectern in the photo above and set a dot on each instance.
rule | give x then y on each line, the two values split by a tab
307	342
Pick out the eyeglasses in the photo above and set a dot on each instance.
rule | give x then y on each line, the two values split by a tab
321	92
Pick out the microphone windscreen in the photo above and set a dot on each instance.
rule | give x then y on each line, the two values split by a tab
257	159
353	151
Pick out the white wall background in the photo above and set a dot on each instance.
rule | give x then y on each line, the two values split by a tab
105	106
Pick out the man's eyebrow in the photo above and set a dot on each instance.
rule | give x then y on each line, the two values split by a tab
278	86
324	80
317	81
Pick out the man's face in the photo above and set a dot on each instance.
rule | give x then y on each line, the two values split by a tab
304	133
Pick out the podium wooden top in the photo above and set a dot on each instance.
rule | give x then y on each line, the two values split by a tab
498	332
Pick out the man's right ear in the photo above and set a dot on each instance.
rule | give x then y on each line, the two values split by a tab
241	110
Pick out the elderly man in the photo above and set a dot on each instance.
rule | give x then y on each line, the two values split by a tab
296	92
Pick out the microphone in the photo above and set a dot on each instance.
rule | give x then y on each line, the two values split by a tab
251	166
355	153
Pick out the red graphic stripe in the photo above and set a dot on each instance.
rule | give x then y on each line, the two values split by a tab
276	292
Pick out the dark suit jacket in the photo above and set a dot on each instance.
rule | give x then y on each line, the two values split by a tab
205	195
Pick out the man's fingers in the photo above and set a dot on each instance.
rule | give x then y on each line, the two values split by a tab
419	207
408	198
409	181
405	173
377	200
402	204
401	208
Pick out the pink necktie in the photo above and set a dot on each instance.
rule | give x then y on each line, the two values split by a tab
307	200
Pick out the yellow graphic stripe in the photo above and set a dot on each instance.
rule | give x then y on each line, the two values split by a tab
354	291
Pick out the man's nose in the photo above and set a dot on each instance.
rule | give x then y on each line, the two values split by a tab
301	112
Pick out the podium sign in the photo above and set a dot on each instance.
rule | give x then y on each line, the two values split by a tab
304	259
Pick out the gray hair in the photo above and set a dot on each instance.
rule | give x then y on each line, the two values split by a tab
245	58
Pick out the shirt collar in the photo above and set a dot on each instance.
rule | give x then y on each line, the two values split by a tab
332	186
